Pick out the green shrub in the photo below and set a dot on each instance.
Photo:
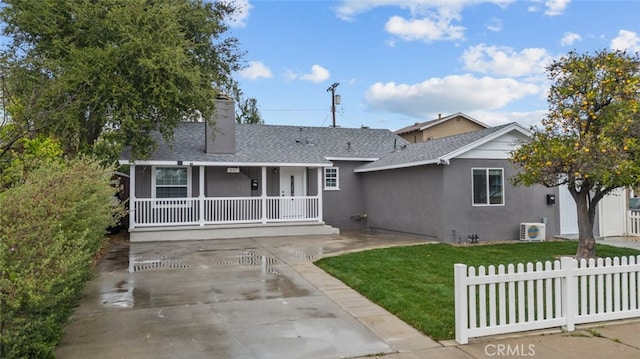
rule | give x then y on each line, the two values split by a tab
51	227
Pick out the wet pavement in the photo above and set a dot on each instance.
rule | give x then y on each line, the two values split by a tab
264	298
239	298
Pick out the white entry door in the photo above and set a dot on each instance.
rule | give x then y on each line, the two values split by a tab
292	184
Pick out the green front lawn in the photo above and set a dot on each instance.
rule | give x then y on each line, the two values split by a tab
416	283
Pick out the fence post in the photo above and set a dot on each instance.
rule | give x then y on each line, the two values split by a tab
569	292
461	303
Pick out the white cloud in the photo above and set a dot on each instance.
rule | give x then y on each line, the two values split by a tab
349	9
317	74
256	70
450	94
556	7
496	118
569	38
428	20
495	25
504	61
626	40
424	29
241	14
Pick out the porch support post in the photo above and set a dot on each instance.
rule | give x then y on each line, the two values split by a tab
263	195
201	194
320	181
132	196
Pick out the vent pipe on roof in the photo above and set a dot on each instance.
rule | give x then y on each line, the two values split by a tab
439	116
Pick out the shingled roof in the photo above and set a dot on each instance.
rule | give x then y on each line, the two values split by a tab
273	144
436	151
419	126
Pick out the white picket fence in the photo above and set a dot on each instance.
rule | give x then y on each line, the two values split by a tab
633	223
530	297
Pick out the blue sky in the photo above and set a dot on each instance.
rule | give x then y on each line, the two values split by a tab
405	61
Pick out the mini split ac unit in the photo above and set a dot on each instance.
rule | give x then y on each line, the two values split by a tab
532	232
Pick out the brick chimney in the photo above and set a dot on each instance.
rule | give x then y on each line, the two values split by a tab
222	137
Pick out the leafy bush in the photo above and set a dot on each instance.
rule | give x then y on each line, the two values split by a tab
51	227
27	154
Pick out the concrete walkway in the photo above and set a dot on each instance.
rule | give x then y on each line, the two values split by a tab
619	339
264	298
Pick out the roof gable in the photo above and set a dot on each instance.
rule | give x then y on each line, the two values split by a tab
442	150
421	126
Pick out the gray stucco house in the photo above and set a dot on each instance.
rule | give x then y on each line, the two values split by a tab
454	187
248	180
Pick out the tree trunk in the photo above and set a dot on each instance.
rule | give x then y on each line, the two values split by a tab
586	216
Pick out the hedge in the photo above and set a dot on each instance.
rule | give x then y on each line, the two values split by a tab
51	227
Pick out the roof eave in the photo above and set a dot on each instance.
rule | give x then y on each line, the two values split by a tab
225	163
396	166
358	159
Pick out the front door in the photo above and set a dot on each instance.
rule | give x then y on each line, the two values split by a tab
292	184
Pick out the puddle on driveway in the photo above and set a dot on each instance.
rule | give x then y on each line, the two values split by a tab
249	258
137	264
275	287
116	259
304	256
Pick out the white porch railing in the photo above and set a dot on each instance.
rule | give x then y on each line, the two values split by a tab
285	209
562	293
152	212
165	211
232	210
633	223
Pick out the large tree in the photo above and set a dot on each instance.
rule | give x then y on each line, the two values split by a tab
248	112
590	139
75	69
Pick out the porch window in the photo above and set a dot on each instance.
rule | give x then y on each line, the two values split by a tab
331	178
488	186
171	182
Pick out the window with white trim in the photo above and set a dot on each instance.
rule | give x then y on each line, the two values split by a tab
488	186
331	180
171	182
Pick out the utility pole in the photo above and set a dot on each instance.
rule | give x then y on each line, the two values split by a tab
332	88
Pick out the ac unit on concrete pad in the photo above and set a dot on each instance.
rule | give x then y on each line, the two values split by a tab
532	232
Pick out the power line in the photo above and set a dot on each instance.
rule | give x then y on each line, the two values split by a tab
293	109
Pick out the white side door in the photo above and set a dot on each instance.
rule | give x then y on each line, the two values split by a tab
568	212
612	212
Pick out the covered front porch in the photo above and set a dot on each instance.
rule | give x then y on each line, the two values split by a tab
173	201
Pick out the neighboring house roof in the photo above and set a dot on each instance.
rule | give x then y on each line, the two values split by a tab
272	144
421	126
439	151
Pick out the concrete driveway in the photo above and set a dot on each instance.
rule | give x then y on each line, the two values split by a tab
238	298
